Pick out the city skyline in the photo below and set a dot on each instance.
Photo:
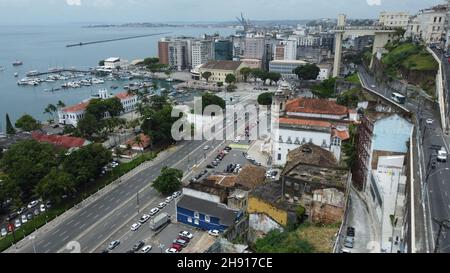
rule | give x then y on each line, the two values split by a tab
113	11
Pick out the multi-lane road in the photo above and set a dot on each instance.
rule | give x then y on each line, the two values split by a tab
94	224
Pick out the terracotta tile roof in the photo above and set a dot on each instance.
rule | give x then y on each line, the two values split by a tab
62	141
342	135
223	180
124	95
145	142
251	176
305	122
310	154
222	65
76	108
315	106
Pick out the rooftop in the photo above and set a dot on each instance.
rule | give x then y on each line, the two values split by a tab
226	215
315	106
124	95
222	65
304	122
112	60
310	154
251	176
67	142
341	134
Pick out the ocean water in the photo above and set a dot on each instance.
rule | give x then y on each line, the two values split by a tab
44	47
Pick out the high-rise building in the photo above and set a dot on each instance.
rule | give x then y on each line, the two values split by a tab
223	50
202	52
285	50
178	54
163	52
254	48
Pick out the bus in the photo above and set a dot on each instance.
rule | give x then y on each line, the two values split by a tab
399	98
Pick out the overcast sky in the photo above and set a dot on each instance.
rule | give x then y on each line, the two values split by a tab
121	11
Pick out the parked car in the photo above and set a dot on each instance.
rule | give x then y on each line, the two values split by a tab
210	166
42	208
17	223
214	232
113	245
171	250
181	242
138	246
29	216
349	241
12	216
430	121
169	199
33	204
351	232
20	211
144	218
206	147
442	155
146	249
3	232
186	234
177	247
154	211
48	204
176	194
135	226
228	148
162	205
36	212
24	218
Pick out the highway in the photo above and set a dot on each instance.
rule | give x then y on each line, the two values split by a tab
434	194
95	223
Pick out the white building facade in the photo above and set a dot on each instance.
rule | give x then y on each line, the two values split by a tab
394	19
429	25
202	52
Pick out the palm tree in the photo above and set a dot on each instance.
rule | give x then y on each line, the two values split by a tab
60	104
51	110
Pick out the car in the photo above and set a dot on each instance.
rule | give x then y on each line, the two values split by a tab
206	147
177	247
351	232
192	180
17	223
33	204
228	148
442	155
48	204
154	211
181	242
138	246
113	244
12	216
144	218
24	218
169	199
105	251
135	226
20	211
236	140
186	234
373	86
209	166
344	250
146	249
36	212
176	194
429	121
214	232
171	250
215	163
349	241
42	208
162	205
3	232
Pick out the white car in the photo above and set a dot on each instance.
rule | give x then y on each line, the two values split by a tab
42	208
430	121
154	211
206	148
214	232
171	250
4	232
144	218
146	249
162	205
135	226
236	140
169	199
442	155
33	204
113	245
17	223
24	219
186	234
373	86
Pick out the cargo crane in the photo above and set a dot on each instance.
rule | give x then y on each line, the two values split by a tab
244	22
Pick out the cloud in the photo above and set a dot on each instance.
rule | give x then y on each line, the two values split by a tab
374	2
73	2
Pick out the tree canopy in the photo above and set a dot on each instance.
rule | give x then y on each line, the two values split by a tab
307	72
265	98
325	89
230	79
283	242
27	123
211	99
206	75
169	181
54	185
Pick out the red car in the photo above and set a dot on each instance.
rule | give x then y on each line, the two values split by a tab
177	247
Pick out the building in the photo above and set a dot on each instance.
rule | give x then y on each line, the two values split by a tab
309	41
220	69
205	214
285	67
179	54
325	71
163	52
429	25
285	50
223	50
306	120
114	63
72	114
135	146
252	63
254	48
314	179
394	19
202	52
66	142
379	134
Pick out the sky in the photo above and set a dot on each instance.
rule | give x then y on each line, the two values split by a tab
124	11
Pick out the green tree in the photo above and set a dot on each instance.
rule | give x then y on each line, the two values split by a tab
273	77
27	162
101	63
230	79
349	147
54	185
27	123
51	110
206	75
97	108
265	98
219	84
211	99
158	124
113	106
307	72
325	89
9	127
245	72
257	73
169	181
60	104
88	126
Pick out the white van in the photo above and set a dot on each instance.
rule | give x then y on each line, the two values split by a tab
442	155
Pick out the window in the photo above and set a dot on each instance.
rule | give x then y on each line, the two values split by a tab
279	156
196	215
196	222
189	219
280	139
207	219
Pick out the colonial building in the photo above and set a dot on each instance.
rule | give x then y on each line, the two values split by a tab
429	25
220	69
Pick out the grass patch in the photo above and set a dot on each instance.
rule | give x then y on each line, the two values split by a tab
420	62
90	189
354	78
321	238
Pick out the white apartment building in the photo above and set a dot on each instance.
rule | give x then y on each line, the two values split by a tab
178	53
309	41
428	25
113	63
202	52
394	19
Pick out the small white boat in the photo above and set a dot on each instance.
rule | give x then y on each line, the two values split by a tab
16	75
169	80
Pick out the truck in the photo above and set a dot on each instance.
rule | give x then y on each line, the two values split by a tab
160	221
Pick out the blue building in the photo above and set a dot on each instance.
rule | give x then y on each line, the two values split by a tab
204	214
223	50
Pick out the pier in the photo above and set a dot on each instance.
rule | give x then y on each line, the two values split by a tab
116	39
36	74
